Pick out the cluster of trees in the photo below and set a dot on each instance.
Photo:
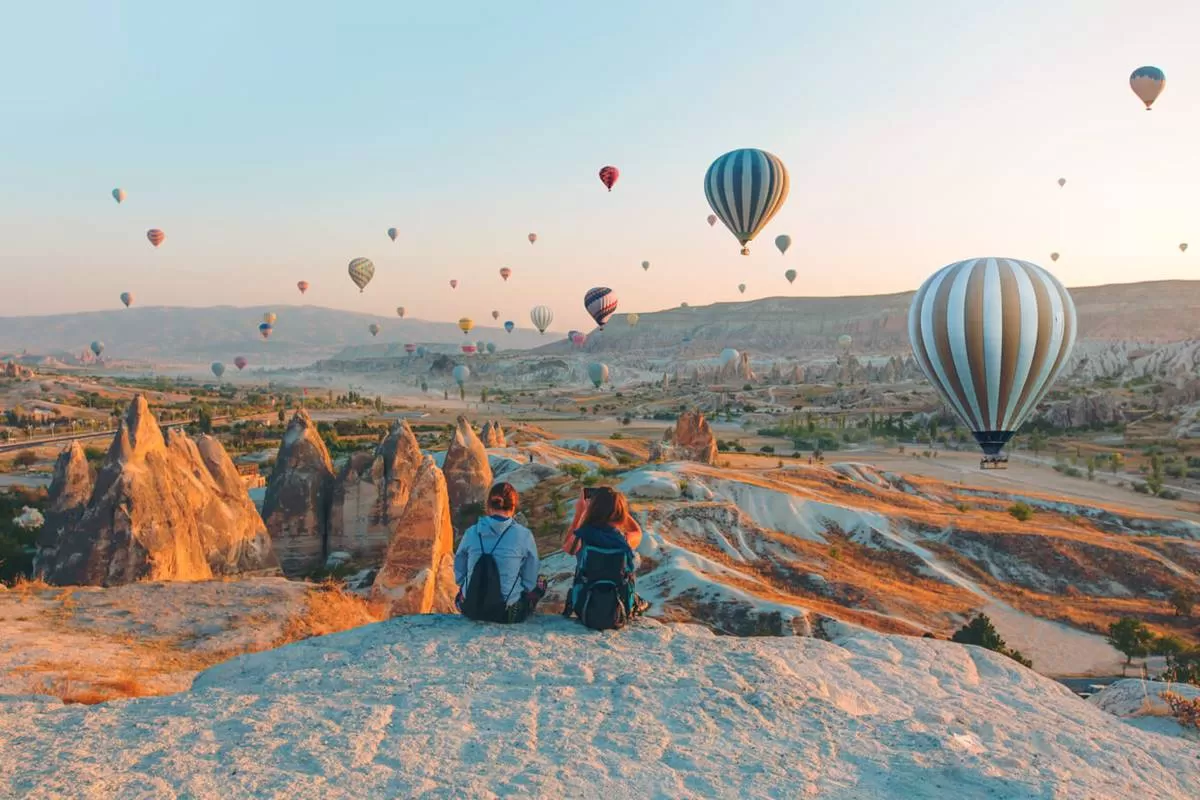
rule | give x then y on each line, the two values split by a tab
1135	640
980	631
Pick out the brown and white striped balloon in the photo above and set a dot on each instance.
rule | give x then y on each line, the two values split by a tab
992	334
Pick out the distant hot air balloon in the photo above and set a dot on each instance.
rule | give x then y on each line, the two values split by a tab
712	220
578	338
509	325
270	317
453	284
1054	256
1147	83
421	351
469	349
400	312
155	236
728	355
783	242
461	373
505	272
645	265
600	303
264	329
97	348
790	275
532	238
480	346
217	368
465	325
991	335
609	175
491	347
683	304
746	188
118	194
632	319
374	328
742	288
1062	182
127	298
1182	249
392	234
845	340
495	314
410	348
361	272
541	317
302	286
598	373
240	362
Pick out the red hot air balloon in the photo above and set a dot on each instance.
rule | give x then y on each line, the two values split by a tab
469	349
453	284
578	338
505	272
302	286
155	236
410	348
609	175
240	362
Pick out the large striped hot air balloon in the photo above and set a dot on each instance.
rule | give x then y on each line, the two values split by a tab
155	236
1147	83
127	298
609	175
119	194
302	286
240	362
600	303
992	334
361	271
541	317
745	189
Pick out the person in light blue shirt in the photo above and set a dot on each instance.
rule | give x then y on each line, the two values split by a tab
514	551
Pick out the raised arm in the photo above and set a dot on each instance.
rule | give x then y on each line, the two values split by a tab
633	532
568	544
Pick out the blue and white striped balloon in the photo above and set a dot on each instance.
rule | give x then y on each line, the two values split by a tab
745	189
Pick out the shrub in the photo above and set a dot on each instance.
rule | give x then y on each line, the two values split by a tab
1185	711
1183	601
25	459
575	470
980	631
616	435
1021	511
766	448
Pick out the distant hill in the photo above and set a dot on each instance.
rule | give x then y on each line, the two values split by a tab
1153	312
302	334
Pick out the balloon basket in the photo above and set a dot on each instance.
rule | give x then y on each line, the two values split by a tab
993	462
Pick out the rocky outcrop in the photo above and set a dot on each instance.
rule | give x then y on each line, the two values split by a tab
1083	411
468	473
370	497
737	369
70	489
298	498
417	576
492	434
691	440
12	369
159	510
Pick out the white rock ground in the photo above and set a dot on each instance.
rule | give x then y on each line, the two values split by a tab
442	707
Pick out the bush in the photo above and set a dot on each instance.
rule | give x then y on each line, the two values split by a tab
1021	511
766	448
575	470
981	632
1185	711
25	459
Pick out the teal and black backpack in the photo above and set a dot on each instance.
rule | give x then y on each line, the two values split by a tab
603	593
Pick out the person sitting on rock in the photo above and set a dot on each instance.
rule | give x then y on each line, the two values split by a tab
496	566
602	595
627	525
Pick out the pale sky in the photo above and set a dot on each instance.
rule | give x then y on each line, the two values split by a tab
278	143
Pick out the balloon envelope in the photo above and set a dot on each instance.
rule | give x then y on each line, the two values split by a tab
392	234
465	325
632	319
600	303
453	284
270	317
118	195
1062	182
712	220
991	335
532	238
155	236
790	275
578	338
845	340
127	298
1147	83
728	355
400	312
410	348
598	373
609	175
302	286
783	242
461	373
469	349
374	328
491	347
265	328
746	188
1054	256
97	347
217	368
509	325
742	288
361	271
495	314
541	317
1183	247
240	362
505	272
646	265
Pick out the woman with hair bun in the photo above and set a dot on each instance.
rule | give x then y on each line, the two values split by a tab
496	566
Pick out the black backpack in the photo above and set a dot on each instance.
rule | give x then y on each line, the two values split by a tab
602	596
485	598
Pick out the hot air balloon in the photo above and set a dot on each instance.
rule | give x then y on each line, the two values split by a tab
609	175
783	242
410	348
600	303
505	272
118	194
469	349
400	312
742	288
270	317
1054	256
712	220
465	325
728	355
361	272
480	346
421	351
453	284
532	238
578	338
790	275
598	373
392	234
992	334
374	328
1062	182
264	329
240	362
127	298
461	373
745	189
541	317
495	314
509	325
1182	249
302	286
97	348
845	340
1147	83
218	369
632	319
155	236
646	265
491	347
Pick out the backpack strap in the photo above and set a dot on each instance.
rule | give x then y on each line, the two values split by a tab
493	550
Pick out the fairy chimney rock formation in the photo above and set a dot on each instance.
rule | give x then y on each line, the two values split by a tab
158	512
691	440
298	497
70	489
371	494
466	468
492	434
417	576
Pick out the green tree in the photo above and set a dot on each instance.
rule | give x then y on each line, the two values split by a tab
1037	441
980	631
25	459
204	419
1115	460
1183	601
1154	481
1131	637
483	395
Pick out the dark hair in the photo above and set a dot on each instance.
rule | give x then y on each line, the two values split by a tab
503	497
606	508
